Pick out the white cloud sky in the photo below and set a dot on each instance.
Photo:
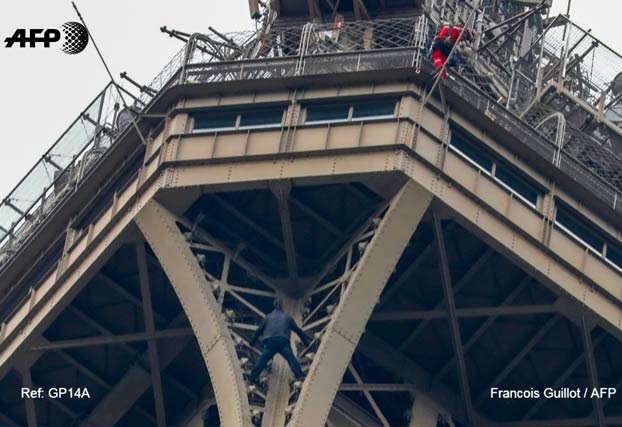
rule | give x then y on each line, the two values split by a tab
43	90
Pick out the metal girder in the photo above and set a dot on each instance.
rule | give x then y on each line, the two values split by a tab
31	413
396	363
406	274
509	367
369	397
346	413
127	294
456	339
281	191
483	328
316	216
564	422
514	310
160	229
248	221
592	371
563	377
177	321
136	380
459	285
152	349
7	421
114	339
423	413
377	387
357	303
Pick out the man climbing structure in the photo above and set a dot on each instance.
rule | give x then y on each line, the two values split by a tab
275	332
445	39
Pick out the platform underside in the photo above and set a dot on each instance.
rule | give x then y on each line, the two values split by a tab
515	332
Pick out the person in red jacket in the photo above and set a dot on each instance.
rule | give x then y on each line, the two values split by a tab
444	42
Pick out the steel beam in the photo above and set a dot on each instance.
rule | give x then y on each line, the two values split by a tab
459	285
406	274
514	310
128	295
114	339
446	401
152	349
509	367
31	413
7	421
563	377
483	328
316	216
281	191
358	301
456	339
592	372
136	380
160	229
423	413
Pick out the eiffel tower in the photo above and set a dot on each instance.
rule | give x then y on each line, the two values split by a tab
452	246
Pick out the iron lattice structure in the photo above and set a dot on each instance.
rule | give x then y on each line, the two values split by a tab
424	278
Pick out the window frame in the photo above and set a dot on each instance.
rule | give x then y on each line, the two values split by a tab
239	114
351	104
496	162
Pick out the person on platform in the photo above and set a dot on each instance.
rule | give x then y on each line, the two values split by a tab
446	38
275	332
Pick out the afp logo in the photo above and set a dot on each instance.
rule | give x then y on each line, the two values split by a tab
75	37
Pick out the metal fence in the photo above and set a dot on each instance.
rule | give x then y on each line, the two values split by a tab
315	49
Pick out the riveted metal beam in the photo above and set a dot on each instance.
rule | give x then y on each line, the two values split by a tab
358	301
160	229
592	371
148	317
423	413
454	326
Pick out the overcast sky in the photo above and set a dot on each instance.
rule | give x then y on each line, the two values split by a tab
43	90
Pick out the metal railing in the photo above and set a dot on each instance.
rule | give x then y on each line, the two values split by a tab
315	49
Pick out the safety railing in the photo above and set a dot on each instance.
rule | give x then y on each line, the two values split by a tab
310	49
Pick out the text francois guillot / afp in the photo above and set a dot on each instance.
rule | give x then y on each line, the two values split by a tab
554	393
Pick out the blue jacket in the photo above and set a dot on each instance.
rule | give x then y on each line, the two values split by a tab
278	324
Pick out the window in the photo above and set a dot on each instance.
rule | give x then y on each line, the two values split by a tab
508	176
516	184
215	121
363	110
460	143
327	113
382	109
266	117
614	254
232	120
579	228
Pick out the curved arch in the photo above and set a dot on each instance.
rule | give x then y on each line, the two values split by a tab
160	230
357	303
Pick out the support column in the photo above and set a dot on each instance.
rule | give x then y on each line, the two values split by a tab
160	229
358	301
423	413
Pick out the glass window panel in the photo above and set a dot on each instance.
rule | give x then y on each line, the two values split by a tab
471	150
331	112
614	254
374	109
517	183
215	120
572	222
265	117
